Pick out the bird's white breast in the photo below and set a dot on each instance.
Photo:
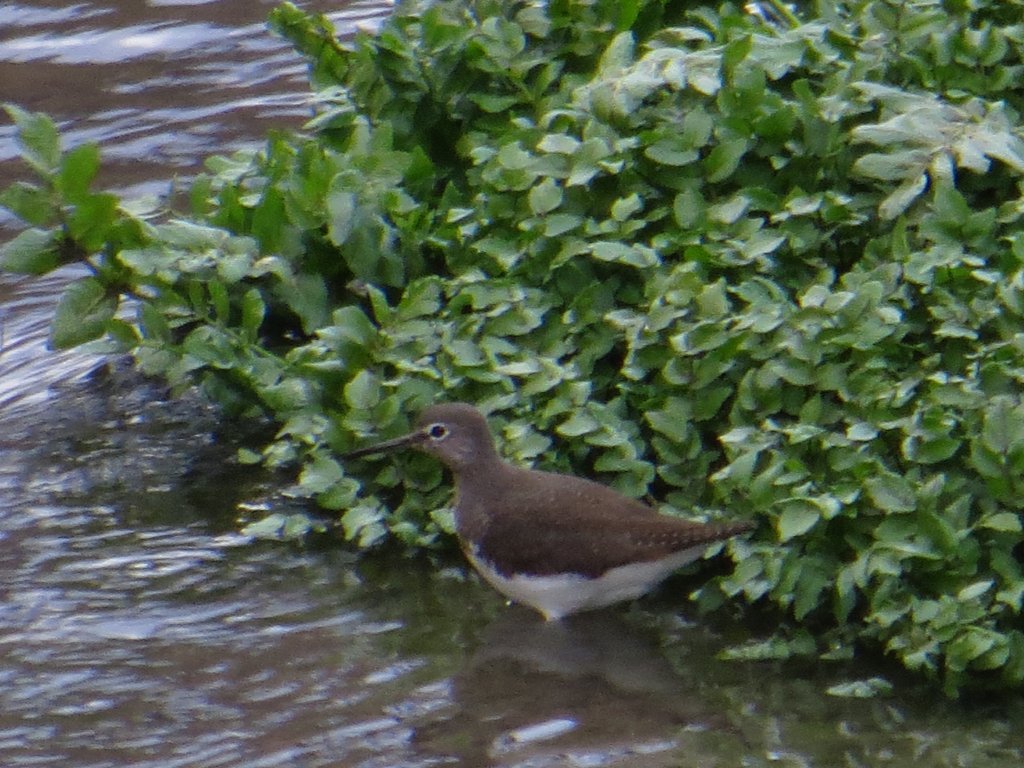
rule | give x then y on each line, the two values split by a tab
560	595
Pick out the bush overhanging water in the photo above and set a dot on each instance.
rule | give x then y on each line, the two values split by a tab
768	267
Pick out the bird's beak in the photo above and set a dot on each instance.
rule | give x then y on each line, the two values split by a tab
405	441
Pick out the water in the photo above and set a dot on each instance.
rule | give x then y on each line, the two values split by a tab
137	628
159	84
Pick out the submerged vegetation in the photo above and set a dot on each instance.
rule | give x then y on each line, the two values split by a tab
765	267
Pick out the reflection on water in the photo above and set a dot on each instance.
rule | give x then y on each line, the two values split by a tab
160	85
136	628
591	689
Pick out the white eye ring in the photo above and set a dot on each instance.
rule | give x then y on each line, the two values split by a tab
437	431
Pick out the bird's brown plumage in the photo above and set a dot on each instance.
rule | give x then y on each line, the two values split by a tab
542	523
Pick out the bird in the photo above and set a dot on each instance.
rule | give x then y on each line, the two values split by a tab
558	543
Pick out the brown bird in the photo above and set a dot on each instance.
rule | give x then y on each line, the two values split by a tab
558	543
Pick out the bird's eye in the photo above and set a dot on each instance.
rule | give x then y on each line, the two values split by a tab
437	431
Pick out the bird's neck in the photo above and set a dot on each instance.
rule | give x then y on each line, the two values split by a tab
479	490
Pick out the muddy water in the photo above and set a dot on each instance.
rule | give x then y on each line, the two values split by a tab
137	628
158	84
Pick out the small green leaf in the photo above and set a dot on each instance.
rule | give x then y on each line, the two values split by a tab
82	314
31	252
688	208
669	153
697	128
248	456
974	591
493	103
861	689
558	143
796	519
724	159
363	391
558	224
78	168
624	208
633	255
219	300
154	324
364	524
1002	428
270	527
38	136
91	220
341	207
902	197
580	423
298	525
306	295
1006	522
861	431
774	648
545	197
891	493
349	325
253	311
320	474
30	203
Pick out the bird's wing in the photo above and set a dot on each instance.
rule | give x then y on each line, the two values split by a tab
585	527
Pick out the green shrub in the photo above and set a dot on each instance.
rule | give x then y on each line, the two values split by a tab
772	268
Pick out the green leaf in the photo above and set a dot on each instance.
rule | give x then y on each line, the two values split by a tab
154	325
974	591
31	252
219	300
320	475
632	255
891	493
30	203
363	392
774	648
269	527
697	128
364	524
253	311
341	208
557	224
545	197
1005	522
688	208
248	457
78	168
421	299
1002	428
580	423
671	154
861	431
92	219
903	196
82	314
625	207
349	325
868	688
298	525
558	143
724	159
495	103
797	518
617	56
39	139
306	295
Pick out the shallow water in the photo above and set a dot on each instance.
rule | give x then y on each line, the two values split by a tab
159	84
137	628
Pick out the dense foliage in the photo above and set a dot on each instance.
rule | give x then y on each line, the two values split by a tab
756	266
